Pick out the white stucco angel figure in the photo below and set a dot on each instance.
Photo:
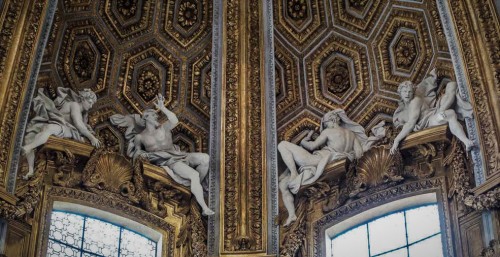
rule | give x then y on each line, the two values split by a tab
152	140
65	117
420	108
339	138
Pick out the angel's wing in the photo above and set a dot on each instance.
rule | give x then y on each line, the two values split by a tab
132	122
427	89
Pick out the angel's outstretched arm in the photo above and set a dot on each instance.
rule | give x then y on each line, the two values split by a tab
172	118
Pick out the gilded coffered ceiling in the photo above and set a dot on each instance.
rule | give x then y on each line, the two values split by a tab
351	54
128	51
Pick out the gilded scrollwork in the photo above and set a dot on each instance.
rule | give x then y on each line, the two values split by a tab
461	185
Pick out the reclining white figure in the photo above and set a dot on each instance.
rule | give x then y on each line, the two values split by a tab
420	108
65	117
340	138
153	141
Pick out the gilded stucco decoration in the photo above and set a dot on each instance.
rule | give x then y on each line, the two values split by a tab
404	48
84	57
73	6
288	93
367	48
148	70
199	83
358	16
338	56
300	21
185	22
127	19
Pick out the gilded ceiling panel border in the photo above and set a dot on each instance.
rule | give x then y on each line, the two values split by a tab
23	88
482	114
271	135
215	129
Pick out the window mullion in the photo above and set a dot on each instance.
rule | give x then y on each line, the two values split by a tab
368	236
120	242
406	234
83	235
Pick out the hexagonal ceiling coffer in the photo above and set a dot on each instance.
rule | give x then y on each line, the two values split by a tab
404	48
298	12
147	71
127	11
358	8
200	84
127	19
358	16
301	21
83	68
287	85
338	74
338	77
185	21
84	59
404	51
148	81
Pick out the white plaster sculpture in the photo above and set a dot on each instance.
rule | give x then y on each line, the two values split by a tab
420	108
339	138
153	141
64	117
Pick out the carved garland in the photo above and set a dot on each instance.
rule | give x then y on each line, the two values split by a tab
17	87
232	120
255	168
461	186
29	195
482	109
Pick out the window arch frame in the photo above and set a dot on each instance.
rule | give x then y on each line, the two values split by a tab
104	216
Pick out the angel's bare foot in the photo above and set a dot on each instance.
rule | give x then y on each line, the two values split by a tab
469	144
28	175
207	212
293	175
290	220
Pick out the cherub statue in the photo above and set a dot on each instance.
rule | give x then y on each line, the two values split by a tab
65	117
153	141
339	138
420	108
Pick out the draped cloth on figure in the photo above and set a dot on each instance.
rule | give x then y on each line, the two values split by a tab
309	174
427	91
135	124
47	112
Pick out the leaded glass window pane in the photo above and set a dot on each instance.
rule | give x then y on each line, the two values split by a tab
387	233
66	228
409	233
135	245
427	248
398	253
101	237
355	237
56	250
422	222
81	236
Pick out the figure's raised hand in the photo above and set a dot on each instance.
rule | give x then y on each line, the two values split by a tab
394	148
310	134
95	142
160	101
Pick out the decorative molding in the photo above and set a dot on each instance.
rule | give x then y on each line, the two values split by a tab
215	151
271	135
41	18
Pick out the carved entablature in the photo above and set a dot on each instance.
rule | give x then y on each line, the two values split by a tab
430	159
77	170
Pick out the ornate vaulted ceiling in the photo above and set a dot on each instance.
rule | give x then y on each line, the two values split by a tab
128	51
351	54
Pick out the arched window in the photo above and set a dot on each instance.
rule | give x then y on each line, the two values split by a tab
409	232
81	235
